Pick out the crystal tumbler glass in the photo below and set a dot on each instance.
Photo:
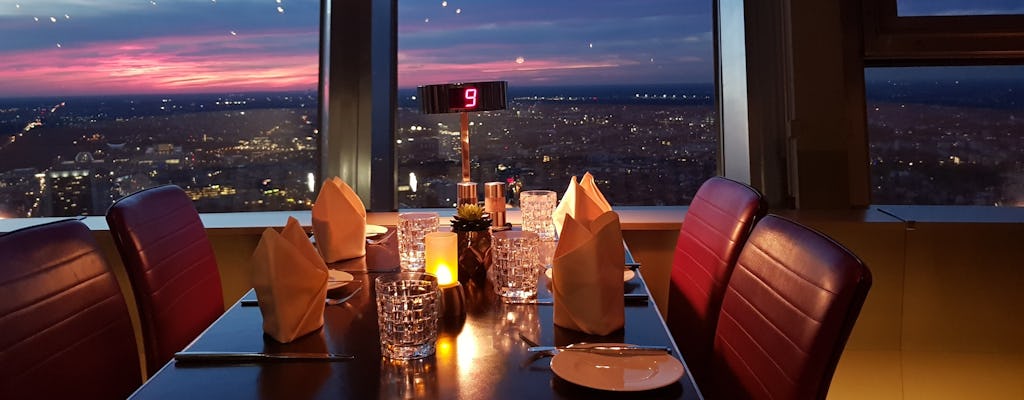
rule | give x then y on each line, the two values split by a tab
407	310
412	227
515	266
537	208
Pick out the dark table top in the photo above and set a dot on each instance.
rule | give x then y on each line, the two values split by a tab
480	354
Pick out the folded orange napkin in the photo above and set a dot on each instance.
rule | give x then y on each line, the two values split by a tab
586	275
593	205
339	222
290	280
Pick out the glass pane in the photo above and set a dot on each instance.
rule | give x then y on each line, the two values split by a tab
912	8
99	99
623	89
946	135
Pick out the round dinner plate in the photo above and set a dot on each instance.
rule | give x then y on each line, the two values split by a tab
626	276
617	373
337	279
374	230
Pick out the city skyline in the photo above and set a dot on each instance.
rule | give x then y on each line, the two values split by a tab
930	144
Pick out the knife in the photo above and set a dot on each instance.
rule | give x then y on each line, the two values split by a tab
239	358
608	350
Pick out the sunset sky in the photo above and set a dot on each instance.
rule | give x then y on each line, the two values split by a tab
71	47
88	47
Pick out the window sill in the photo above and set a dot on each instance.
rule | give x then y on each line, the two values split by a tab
634	218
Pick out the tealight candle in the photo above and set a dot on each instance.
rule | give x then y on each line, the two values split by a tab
441	255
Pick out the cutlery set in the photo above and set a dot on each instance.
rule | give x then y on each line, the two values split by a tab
218	357
630	298
329	301
605	349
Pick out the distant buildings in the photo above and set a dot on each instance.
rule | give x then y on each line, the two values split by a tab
254	155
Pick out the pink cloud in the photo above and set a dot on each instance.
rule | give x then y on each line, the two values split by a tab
173	64
427	67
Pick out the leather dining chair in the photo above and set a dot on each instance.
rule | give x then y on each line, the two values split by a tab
65	331
788	310
171	267
717	223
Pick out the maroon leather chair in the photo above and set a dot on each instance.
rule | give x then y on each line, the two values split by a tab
171	267
789	307
65	332
717	223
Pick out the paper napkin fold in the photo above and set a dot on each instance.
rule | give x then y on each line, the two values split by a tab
339	222
290	280
587	275
582	201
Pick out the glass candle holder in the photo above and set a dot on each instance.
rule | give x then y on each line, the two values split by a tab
442	257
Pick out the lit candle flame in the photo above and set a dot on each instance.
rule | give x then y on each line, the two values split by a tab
444	275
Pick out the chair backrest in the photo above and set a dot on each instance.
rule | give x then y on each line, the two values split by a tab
717	223
171	267
65	331
789	307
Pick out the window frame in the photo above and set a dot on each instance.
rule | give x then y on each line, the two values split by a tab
359	75
892	40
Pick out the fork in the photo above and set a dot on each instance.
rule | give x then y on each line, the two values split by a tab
534	356
340	300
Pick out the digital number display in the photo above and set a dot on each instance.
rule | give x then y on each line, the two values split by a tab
459	97
462	97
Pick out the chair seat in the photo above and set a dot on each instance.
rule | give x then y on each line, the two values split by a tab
788	309
65	331
717	223
171	266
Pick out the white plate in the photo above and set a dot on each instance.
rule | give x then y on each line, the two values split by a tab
617	373
374	230
337	279
627	275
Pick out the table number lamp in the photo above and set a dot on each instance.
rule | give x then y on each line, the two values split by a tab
463	98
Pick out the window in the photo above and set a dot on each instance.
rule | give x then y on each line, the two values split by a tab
944	85
946	135
99	99
623	89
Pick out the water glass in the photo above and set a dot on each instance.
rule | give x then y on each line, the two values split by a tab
515	265
537	208
407	309
412	227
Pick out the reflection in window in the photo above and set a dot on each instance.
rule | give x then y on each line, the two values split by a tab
100	99
946	135
623	89
912	8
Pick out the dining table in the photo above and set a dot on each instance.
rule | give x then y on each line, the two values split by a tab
482	349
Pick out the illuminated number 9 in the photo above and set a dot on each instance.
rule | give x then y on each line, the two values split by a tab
470	95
